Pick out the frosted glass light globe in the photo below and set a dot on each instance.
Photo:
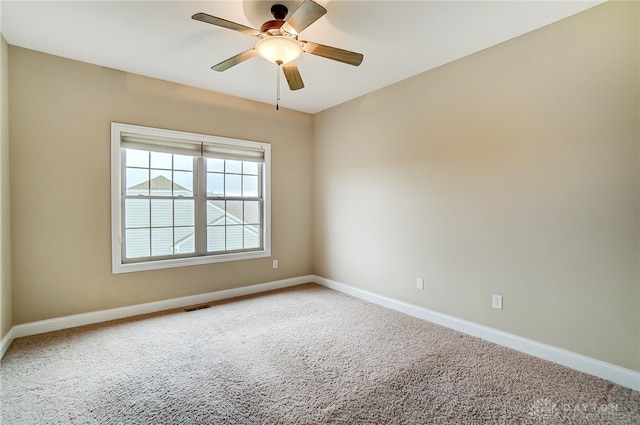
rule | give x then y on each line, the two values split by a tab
279	49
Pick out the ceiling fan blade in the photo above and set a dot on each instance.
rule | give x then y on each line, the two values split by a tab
306	14
340	55
213	20
292	74
233	61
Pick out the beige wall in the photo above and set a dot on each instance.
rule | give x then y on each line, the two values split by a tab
61	112
6	310
513	171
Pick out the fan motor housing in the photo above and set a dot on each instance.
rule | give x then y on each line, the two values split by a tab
272	26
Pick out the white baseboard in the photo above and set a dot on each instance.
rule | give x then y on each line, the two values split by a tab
621	376
76	320
6	341
625	377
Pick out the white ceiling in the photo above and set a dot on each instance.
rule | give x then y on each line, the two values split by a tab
159	39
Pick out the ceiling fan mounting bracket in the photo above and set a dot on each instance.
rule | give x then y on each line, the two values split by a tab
279	11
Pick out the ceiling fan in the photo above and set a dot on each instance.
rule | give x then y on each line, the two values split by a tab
279	40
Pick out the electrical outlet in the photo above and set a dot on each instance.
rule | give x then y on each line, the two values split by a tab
420	283
497	302
275	264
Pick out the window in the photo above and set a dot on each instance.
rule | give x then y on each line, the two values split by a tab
183	199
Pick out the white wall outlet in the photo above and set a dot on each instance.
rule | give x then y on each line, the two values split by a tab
275	264
497	302
420	283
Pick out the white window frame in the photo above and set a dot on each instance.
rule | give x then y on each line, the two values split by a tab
118	266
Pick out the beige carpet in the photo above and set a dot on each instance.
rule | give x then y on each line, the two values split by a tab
305	355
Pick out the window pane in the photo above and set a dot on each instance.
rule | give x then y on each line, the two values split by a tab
161	213
251	237
216	165
215	184
136	158
250	186
250	168
234	237
162	241
184	240
137	181
215	238
233	166
161	160
161	183
234	212
215	213
233	185
182	162
137	243
184	212
252	212
182	183
136	213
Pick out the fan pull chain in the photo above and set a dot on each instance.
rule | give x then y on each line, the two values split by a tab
279	64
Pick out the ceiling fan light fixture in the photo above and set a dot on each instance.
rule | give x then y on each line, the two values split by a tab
279	49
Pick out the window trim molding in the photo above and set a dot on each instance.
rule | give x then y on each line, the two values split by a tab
117	266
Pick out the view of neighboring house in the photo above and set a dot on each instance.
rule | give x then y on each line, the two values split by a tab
160	225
